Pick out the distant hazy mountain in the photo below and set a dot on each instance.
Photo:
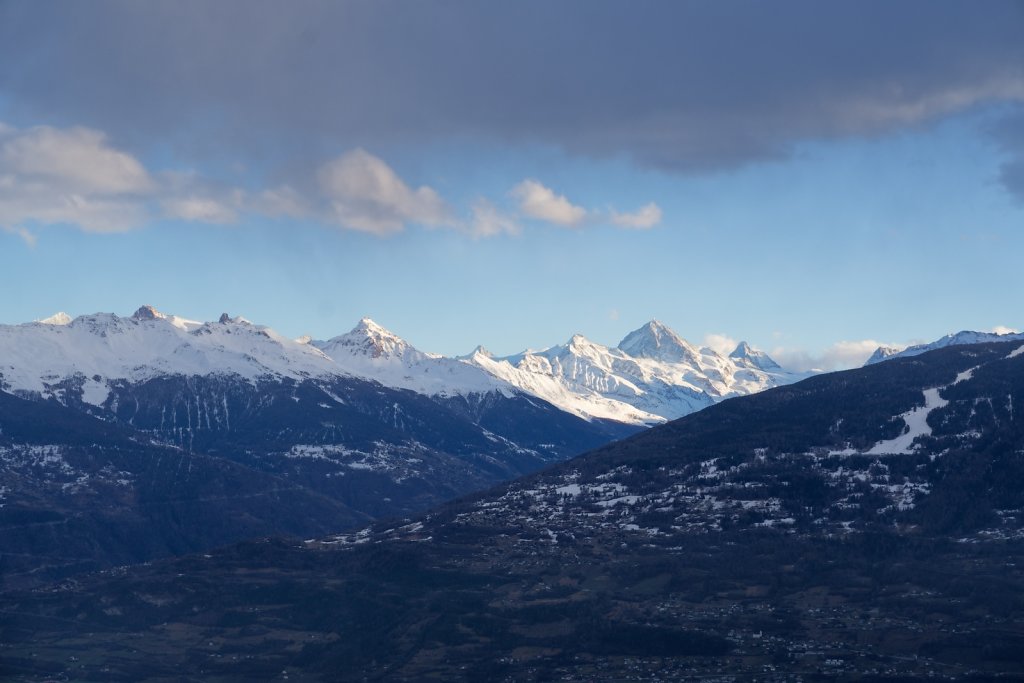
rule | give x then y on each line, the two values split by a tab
956	339
654	375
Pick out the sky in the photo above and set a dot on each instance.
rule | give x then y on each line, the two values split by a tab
814	178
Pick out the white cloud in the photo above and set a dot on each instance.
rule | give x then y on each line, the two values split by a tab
1003	329
489	221
200	209
49	206
50	175
74	176
537	201
26	236
366	194
644	218
842	355
76	159
283	200
722	343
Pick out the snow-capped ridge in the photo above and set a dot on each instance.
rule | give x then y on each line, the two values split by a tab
372	351
104	347
652	376
883	353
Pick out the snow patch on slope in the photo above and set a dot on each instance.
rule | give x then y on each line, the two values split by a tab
916	419
917	426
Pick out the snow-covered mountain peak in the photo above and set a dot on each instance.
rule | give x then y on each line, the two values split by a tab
752	356
226	319
371	340
60	318
742	350
658	341
147	312
653	375
883	353
369	326
375	352
578	342
478	352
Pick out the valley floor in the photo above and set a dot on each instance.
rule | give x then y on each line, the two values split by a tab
491	605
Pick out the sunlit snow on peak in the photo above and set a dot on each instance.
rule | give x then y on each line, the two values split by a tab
60	318
656	340
147	312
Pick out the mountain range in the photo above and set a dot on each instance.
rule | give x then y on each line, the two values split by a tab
654	375
130	438
860	525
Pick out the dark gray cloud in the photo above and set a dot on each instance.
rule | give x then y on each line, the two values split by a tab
679	85
1009	133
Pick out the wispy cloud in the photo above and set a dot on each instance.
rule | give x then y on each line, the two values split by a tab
542	203
489	221
722	343
283	200
50	175
26	235
841	355
644	218
203	209
366	194
75	176
76	159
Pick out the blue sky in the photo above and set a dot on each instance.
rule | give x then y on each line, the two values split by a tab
811	178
